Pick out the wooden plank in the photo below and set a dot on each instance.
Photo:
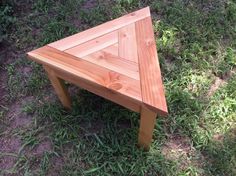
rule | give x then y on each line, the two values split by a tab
127	43
94	45
114	63
100	30
147	124
113	49
59	87
88	71
150	74
102	91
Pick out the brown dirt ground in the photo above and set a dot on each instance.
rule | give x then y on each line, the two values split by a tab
179	149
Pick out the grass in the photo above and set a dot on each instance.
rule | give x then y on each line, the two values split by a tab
196	46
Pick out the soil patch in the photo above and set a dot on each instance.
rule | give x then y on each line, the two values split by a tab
42	147
17	117
8	146
217	83
178	148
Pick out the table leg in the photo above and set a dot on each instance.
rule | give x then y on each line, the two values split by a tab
59	87
147	123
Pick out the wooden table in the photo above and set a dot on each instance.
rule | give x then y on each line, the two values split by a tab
116	60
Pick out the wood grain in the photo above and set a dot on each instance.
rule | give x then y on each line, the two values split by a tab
102	91
88	71
127	43
115	63
150	74
116	60
100	30
59	87
113	49
94	45
147	124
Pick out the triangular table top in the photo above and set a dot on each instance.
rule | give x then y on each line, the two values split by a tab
119	55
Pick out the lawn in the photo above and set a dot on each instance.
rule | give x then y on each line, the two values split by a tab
196	43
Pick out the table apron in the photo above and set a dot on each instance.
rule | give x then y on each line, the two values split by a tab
104	92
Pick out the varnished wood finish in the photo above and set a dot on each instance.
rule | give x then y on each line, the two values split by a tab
88	71
127	43
116	60
59	87
113	49
100	30
147	123
94	45
150	74
102	91
114	63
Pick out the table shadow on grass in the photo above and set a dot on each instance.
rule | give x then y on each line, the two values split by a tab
98	137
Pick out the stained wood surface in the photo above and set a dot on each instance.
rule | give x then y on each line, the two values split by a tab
127	43
113	49
150	75
88	71
114	63
119	55
94	45
116	60
59	87
147	124
100	30
100	90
